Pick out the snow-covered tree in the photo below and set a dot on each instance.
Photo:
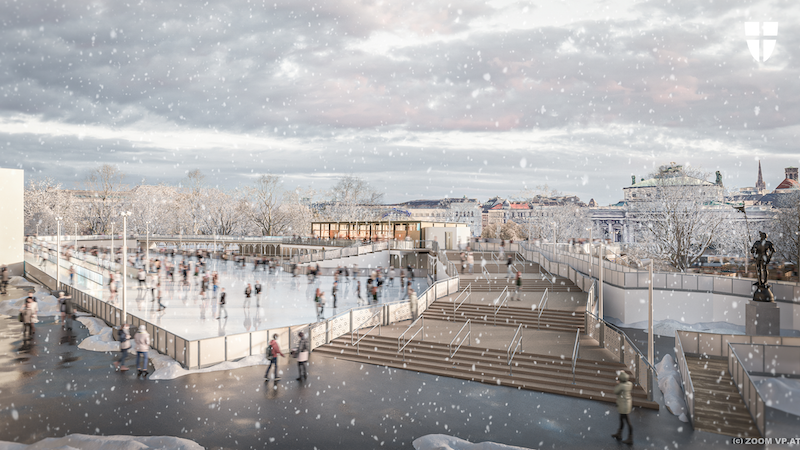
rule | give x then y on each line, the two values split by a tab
44	201
679	217
107	188
786	228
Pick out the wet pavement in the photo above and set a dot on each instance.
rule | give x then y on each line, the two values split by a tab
49	387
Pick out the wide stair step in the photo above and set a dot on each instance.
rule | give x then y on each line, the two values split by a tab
552	320
543	373
719	407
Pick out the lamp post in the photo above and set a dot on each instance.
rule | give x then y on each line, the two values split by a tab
112	240
58	252
591	242
147	241
650	337
76	238
124	264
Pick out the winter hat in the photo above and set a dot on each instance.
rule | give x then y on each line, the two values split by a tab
623	376
143	329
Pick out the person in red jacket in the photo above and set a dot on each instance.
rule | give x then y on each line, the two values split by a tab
273	350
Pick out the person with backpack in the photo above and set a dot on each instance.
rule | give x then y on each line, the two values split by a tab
624	405
124	335
142	340
222	304
302	352
65	305
273	350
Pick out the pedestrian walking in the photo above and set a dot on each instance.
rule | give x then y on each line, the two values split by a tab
302	352
161	305
28	316
248	291
72	275
320	299
624	405
142	340
334	290
470	260
412	299
3	279
273	350
518	287
65	306
124	335
391	276
358	292
222	304
509	272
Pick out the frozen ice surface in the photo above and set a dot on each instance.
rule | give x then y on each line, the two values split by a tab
670	385
780	393
445	442
86	442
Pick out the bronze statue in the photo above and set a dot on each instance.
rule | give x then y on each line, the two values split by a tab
762	251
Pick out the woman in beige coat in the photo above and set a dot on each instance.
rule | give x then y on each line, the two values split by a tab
624	405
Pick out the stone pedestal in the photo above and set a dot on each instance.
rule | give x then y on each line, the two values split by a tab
762	319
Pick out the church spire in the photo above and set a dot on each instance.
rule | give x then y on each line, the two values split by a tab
760	186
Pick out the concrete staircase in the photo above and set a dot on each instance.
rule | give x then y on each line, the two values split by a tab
719	407
594	380
551	319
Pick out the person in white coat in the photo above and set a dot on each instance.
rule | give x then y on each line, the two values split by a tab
142	340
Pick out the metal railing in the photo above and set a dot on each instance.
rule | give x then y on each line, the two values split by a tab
549	277
355	331
520	259
746	387
468	335
512	349
405	343
505	299
468	291
575	352
486	275
686	378
542	304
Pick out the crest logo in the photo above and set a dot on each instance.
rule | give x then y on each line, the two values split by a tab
761	38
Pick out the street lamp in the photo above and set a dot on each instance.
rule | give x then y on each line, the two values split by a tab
58	252
147	251
125	216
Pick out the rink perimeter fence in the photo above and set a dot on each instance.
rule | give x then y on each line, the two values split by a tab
199	353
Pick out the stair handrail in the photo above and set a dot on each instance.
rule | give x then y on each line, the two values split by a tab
485	274
511	353
468	288
686	379
520	259
355	331
550	275
542	304
575	352
400	338
469	334
508	294
422	328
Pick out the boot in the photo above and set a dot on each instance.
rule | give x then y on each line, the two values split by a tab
617	435
629	441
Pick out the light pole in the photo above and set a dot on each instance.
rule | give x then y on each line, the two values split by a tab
125	216
591	242
76	238
58	252
147	251
112	240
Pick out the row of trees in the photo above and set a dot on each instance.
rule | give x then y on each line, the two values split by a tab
263	208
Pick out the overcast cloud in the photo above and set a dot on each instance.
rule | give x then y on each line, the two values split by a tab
424	100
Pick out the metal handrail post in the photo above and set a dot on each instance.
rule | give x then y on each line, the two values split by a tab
575	350
469	334
511	353
505	290
542	304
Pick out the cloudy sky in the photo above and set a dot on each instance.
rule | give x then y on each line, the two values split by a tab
424	99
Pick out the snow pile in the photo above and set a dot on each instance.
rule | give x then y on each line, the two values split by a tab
86	442
169	369
21	282
669	381
668	327
93	324
48	305
780	393
100	342
444	442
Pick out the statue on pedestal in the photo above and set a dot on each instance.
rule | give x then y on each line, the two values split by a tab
762	251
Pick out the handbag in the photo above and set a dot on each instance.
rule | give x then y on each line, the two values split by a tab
302	356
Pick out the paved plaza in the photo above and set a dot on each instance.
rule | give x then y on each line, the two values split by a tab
285	300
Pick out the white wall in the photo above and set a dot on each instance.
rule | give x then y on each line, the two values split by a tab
630	306
370	260
12	185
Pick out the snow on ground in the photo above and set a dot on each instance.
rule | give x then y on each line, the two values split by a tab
21	282
669	381
101	339
445	442
86	442
668	327
779	393
48	305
